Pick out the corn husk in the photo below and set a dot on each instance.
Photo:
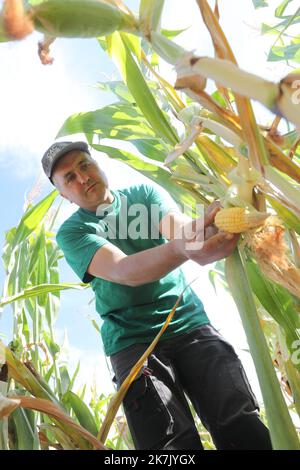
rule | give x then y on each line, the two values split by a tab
74	18
271	253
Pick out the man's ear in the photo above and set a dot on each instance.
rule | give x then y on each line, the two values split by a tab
60	192
65	197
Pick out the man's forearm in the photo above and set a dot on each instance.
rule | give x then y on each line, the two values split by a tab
149	265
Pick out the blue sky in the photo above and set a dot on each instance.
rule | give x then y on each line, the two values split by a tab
35	100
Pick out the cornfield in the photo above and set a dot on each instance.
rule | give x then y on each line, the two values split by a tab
224	154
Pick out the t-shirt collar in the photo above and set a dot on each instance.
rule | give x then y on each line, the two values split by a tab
105	209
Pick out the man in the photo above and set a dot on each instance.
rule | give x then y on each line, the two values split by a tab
135	275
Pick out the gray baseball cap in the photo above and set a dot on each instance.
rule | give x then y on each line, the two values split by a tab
58	150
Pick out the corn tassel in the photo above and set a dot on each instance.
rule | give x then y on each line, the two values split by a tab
239	219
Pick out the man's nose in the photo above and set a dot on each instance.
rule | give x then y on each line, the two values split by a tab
82	177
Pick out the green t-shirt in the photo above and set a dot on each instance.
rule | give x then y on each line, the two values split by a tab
130	314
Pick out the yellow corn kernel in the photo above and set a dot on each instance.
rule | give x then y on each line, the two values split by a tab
239	219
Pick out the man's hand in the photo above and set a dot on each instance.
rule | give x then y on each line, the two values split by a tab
211	229
198	239
216	245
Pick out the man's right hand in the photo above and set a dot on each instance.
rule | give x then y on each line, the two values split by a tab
211	229
203	248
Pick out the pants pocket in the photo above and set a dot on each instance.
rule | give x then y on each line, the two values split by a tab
241	382
149	420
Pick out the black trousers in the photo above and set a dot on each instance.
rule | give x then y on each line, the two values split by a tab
204	366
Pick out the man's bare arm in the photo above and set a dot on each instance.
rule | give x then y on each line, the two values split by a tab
114	265
147	266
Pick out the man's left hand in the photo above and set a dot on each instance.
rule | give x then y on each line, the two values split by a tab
216	245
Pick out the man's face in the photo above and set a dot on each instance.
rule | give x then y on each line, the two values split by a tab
80	180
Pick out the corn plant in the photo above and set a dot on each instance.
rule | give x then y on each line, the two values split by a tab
286	46
222	154
39	408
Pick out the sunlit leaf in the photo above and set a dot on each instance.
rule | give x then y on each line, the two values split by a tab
39	290
81	411
259	3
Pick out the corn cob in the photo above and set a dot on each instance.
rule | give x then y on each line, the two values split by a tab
78	18
239	219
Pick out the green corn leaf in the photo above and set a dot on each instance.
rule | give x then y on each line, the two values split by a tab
27	438
96	326
64	379
3	422
8	247
36	2
53	347
74	376
122	121
119	50
151	148
172	33
33	217
36	385
153	172
56	434
283	25
40	253
294	380
284	185
81	411
269	29
16	274
259	3
281	8
134	46
49	373
288	217
40	290
283	434
53	298
39	388
289	52
25	327
118	88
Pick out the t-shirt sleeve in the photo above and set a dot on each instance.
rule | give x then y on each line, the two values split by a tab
160	198
79	247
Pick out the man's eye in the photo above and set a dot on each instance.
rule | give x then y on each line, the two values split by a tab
70	178
84	166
